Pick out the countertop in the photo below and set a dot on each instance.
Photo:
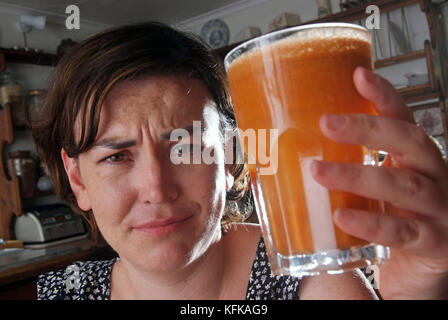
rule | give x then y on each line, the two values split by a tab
20	264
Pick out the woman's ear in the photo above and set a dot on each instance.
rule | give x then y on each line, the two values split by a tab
71	166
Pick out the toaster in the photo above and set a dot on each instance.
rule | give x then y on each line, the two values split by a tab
48	223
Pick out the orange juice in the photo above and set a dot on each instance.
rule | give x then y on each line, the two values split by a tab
288	85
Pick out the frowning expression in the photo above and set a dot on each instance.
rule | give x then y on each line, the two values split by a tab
154	213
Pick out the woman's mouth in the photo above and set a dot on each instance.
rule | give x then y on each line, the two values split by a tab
159	227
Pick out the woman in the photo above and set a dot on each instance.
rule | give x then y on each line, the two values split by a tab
113	104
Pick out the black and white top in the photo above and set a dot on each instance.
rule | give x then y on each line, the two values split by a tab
91	281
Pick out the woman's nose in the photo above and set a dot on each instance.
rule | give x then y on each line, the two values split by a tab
155	181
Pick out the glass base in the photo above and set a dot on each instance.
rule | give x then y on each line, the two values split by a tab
332	261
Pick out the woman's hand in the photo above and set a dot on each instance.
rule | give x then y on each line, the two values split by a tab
413	182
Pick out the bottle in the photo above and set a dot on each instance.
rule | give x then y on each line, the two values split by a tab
22	165
11	92
35	99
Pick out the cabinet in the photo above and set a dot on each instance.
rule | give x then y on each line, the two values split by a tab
20	282
10	196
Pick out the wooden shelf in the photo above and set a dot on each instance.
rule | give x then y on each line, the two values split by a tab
418	93
38	194
415	89
359	12
29	57
89	251
2	62
400	59
22	127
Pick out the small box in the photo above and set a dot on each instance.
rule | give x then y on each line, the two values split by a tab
283	21
247	33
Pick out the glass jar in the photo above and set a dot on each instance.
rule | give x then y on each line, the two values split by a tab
35	99
11	92
22	165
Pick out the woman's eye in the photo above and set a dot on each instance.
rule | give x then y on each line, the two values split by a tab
118	157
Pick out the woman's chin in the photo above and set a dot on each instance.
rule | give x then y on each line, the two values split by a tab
162	258
164	263
165	253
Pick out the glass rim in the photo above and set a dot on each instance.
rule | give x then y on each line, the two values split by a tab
251	42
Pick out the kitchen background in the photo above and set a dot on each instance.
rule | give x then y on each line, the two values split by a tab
412	58
403	31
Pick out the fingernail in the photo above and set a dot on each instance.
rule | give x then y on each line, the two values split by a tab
369	76
344	217
335	122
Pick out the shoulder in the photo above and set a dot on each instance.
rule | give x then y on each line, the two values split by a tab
79	281
240	243
350	285
242	239
246	235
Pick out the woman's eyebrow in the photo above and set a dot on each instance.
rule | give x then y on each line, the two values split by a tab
189	129
114	143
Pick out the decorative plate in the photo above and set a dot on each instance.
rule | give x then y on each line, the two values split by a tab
216	33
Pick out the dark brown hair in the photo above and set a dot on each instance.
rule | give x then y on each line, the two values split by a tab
86	74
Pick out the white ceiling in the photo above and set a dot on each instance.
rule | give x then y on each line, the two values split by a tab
117	12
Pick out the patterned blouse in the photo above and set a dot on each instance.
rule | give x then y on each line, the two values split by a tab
91	281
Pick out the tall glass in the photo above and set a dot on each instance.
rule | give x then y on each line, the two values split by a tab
283	83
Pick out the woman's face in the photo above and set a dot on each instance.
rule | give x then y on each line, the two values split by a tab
154	213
